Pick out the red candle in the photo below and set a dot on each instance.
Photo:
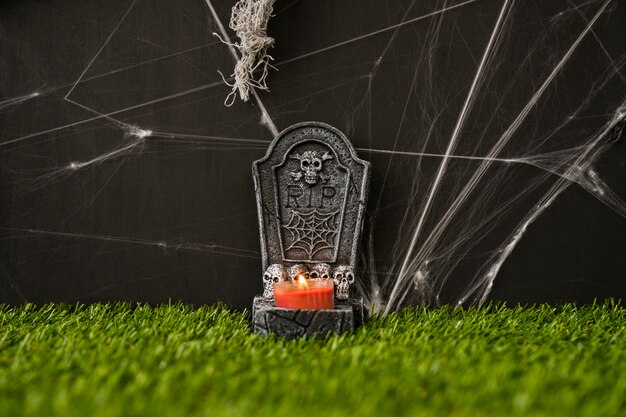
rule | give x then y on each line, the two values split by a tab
305	294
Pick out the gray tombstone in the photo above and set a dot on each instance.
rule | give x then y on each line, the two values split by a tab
311	191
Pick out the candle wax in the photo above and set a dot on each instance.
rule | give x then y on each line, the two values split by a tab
318	296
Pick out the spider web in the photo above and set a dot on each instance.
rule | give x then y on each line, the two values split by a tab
312	232
483	118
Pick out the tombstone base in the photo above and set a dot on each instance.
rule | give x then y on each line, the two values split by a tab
269	319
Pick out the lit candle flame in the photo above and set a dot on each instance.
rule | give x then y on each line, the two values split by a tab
302	281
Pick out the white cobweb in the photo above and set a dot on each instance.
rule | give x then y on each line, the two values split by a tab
477	117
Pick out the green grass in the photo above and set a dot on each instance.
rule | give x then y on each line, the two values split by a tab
122	360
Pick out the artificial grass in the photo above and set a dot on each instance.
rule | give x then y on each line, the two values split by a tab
123	360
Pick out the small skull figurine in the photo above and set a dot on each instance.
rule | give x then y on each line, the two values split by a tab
343	277
274	273
320	271
298	269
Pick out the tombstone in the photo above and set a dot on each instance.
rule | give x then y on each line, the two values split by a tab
311	191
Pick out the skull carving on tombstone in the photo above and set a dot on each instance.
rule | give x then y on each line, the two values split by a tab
311	164
298	269
274	273
320	271
343	278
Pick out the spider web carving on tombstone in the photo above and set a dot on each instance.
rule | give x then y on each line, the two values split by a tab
312	232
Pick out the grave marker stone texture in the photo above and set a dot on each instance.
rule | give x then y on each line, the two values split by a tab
311	190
